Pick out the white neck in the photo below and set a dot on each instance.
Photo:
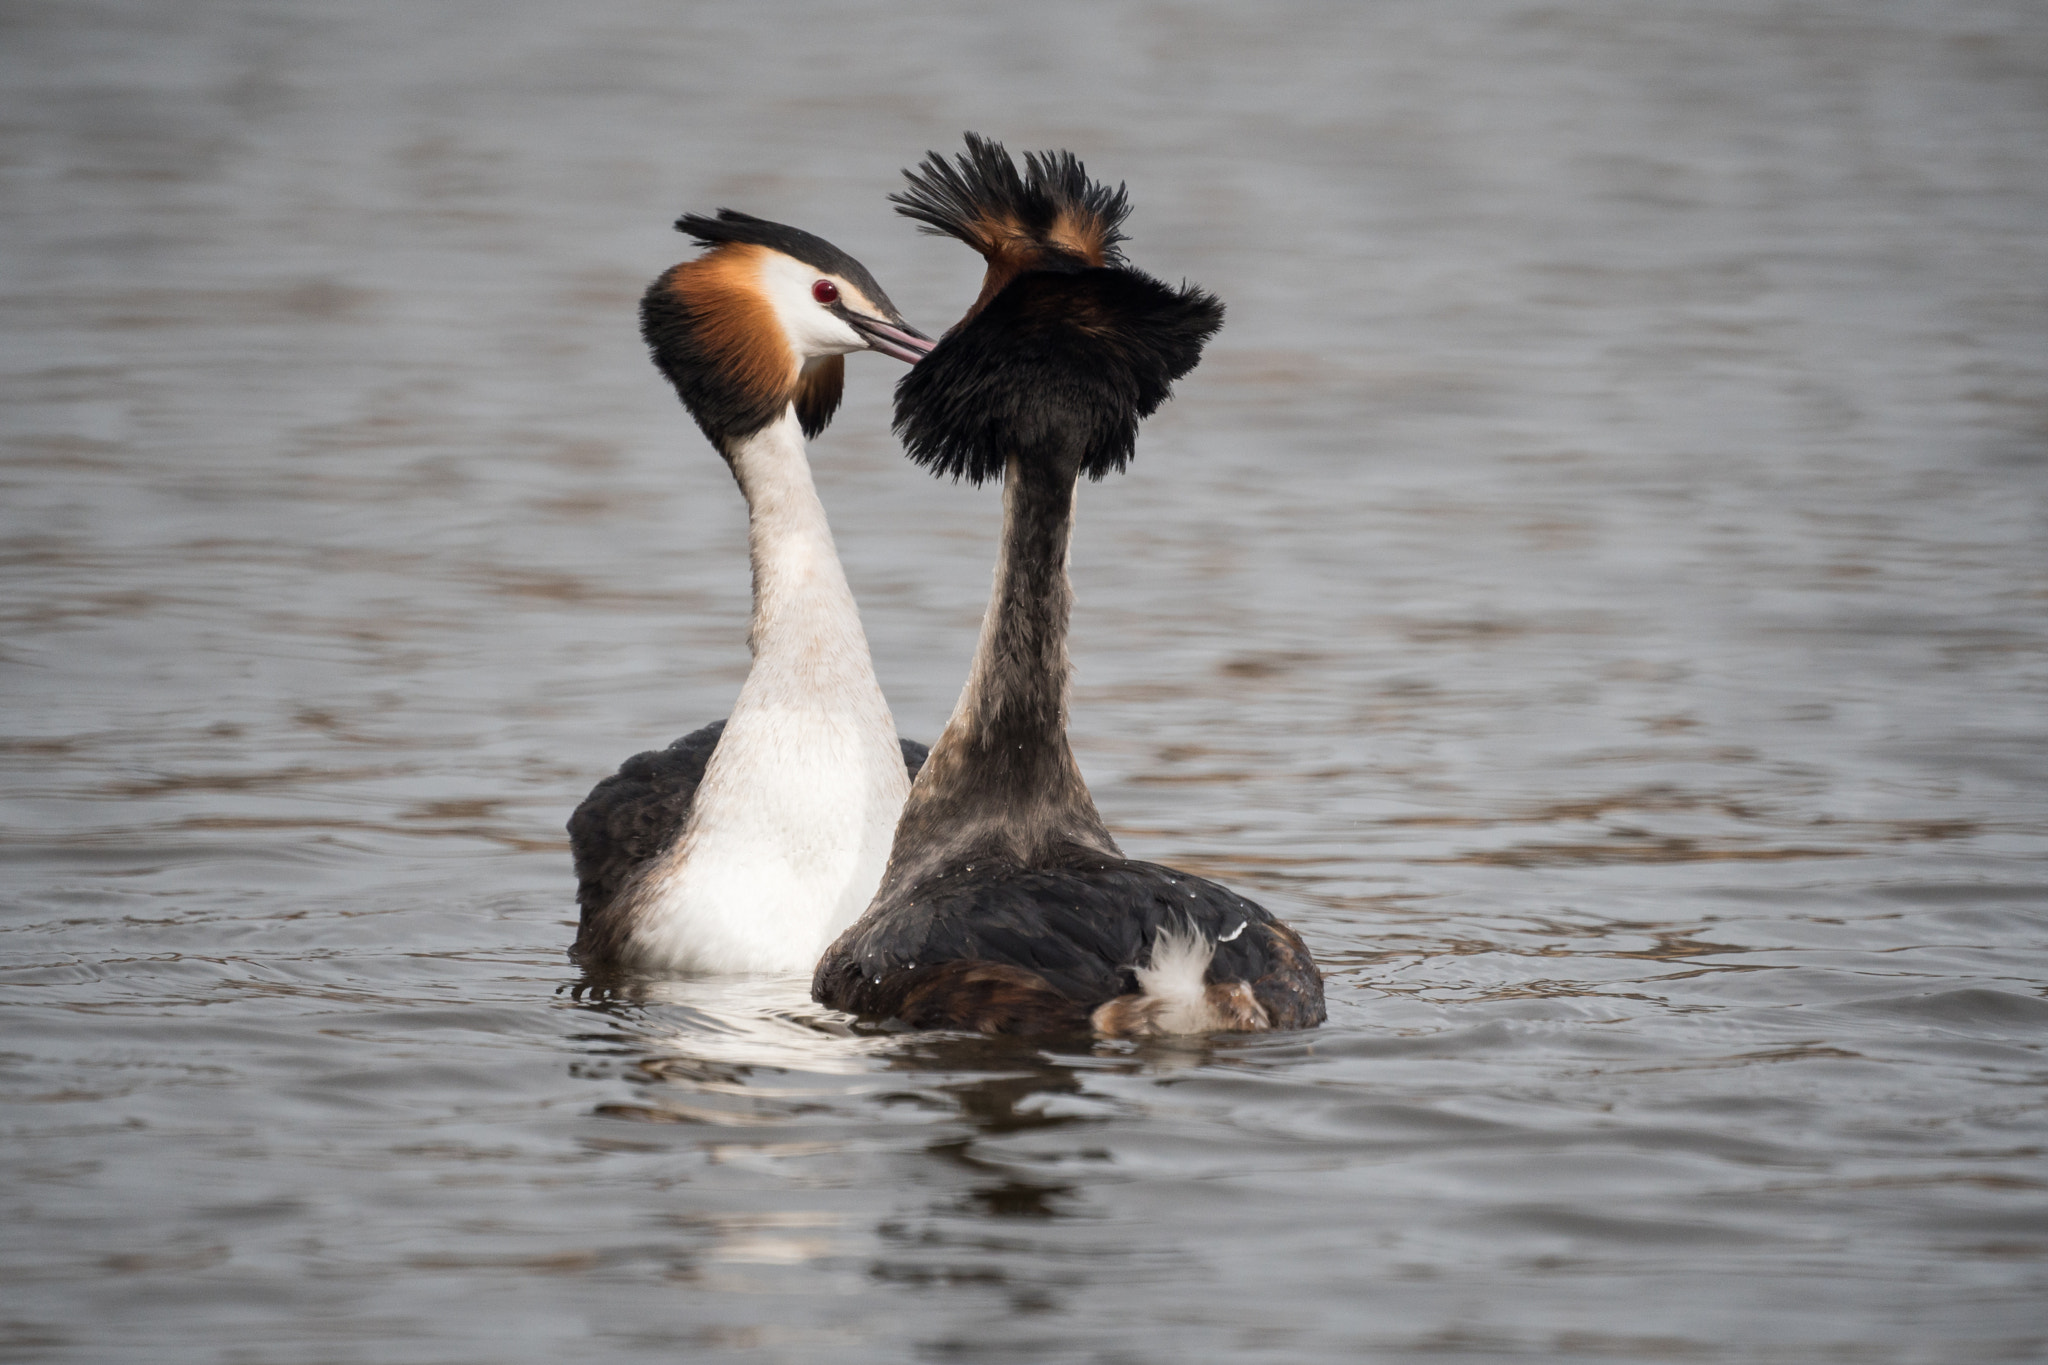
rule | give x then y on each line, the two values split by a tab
803	607
791	826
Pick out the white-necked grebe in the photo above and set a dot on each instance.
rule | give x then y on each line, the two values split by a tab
747	845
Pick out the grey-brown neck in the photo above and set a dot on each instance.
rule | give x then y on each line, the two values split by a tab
1002	781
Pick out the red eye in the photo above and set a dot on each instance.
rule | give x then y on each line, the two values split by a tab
824	291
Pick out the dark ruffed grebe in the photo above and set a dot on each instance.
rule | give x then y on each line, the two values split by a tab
747	845
1007	906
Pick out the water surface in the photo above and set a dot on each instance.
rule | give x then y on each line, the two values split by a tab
1594	588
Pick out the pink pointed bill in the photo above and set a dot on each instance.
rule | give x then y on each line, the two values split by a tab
903	343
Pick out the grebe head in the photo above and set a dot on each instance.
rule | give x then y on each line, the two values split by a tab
763	319
1067	348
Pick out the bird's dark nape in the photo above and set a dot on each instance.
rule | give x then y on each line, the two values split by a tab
1060	363
981	198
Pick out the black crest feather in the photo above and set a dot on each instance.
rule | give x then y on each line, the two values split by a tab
982	199
1059	365
733	226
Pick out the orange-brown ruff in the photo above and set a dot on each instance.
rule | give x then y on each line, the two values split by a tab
736	326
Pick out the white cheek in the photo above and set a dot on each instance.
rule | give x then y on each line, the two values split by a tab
824	334
808	324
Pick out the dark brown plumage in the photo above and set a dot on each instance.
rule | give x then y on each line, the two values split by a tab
1007	906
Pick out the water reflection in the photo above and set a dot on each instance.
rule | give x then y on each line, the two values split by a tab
737	1054
733	1024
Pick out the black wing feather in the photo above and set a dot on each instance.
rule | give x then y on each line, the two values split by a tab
1082	928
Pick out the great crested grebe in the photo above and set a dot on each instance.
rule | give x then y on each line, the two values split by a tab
747	845
1007	906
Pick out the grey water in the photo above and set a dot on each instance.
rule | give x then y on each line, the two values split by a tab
1594	587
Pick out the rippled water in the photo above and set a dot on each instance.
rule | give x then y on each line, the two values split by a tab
1594	588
